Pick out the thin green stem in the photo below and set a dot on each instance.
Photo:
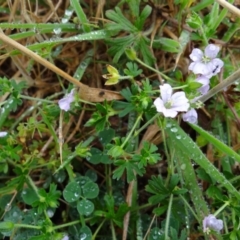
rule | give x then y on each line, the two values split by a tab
35	99
132	130
70	172
113	231
98	229
205	40
154	70
31	183
221	208
189	207
66	225
19	225
146	124
168	217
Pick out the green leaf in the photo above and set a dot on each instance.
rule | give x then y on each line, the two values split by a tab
143	16
72	192
106	136
156	233
29	196
85	207
121	23
118	46
218	144
169	45
115	151
6	226
81	15
186	145
194	20
90	190
85	233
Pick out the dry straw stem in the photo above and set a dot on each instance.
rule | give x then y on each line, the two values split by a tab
86	93
229	7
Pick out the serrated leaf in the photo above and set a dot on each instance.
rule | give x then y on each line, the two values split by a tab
121	22
143	16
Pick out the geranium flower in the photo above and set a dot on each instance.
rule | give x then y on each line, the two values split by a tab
211	222
3	134
206	63
190	116
205	84
170	104
65	102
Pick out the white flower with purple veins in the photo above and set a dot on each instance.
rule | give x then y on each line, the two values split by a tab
170	104
211	222
65	102
205	84
190	116
206	63
3	134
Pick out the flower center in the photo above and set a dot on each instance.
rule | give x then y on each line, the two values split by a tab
205	59
168	104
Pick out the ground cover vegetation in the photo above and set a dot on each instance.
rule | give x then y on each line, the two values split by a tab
119	120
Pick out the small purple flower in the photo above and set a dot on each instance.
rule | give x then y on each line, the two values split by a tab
65	237
65	102
170	104
3	134
206	63
190	116
211	222
205	84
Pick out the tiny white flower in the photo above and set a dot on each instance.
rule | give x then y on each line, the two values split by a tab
170	104
206	63
3	134
65	102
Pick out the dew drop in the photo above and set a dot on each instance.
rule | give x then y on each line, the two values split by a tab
174	129
8	207
64	20
50	213
178	137
57	31
68	12
83	236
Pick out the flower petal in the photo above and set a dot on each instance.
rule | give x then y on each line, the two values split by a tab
211	51
159	104
200	68
203	80
170	113
65	102
3	134
179	102
212	222
190	116
166	92
196	54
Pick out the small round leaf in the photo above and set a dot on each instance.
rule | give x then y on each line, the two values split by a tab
90	190
85	207
72	192
85	233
